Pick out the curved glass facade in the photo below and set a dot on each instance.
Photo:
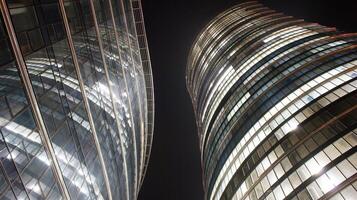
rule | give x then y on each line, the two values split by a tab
276	106
76	99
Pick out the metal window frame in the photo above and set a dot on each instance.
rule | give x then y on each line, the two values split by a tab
24	75
85	97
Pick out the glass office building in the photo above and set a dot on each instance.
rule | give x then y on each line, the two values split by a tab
76	99
276	106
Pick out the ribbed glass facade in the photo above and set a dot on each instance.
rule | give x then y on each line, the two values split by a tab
276	106
76	99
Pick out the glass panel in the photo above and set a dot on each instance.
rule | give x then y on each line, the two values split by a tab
349	192
23	160
98	90
50	66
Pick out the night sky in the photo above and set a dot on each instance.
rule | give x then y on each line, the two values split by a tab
174	171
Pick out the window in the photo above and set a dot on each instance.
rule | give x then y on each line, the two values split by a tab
314	190
287	188
346	168
295	179
349	192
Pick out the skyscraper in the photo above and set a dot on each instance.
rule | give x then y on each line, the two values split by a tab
76	99
275	103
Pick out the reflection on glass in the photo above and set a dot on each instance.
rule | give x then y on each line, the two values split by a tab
26	171
95	122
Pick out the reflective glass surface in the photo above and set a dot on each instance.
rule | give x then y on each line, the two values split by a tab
78	127
273	96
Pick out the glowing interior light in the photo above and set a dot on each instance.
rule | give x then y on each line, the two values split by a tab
84	190
325	183
290	126
17	129
313	166
104	88
230	70
36	188
44	159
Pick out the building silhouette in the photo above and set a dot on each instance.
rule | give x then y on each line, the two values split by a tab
275	103
76	99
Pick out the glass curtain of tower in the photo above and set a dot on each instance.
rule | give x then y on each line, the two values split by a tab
275	102
76	99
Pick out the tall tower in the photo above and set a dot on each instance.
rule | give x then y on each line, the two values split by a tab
276	106
76	99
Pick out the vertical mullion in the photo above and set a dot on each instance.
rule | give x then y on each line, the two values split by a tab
144	127
126	89
136	81
32	98
85	99
149	89
96	26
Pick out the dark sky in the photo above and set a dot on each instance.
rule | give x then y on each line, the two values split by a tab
174	171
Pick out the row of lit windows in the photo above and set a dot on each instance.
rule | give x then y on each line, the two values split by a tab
247	65
227	39
311	89
256	139
301	150
244	69
232	83
263	12
305	78
223	79
235	33
263	18
273	58
218	26
248	30
228	105
292	108
212	82
350	192
255	80
276	78
262	129
321	48
224	88
226	18
323	184
268	162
